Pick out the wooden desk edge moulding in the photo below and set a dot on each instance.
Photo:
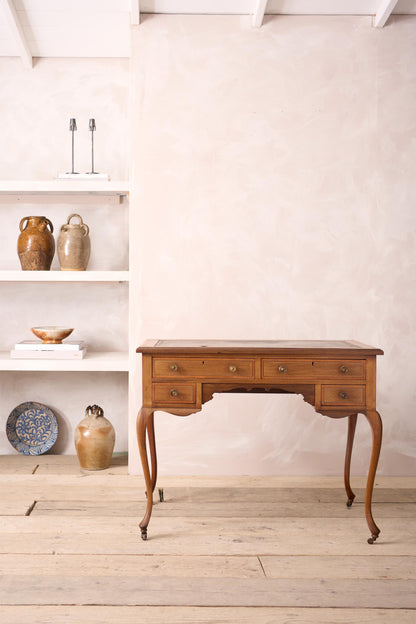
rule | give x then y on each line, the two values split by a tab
338	378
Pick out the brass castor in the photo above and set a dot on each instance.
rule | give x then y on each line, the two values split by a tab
372	539
161	495
144	534
349	502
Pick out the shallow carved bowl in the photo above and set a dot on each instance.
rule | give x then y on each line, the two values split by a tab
52	334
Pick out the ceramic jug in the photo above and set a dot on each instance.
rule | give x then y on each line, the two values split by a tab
35	245
94	439
74	245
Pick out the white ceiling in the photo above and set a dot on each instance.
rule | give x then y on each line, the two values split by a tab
101	28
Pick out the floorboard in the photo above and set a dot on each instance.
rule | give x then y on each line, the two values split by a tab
201	615
205	536
133	565
231	509
174	591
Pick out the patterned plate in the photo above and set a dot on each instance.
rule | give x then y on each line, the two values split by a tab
32	428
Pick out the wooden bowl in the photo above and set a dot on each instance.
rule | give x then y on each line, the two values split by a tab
52	334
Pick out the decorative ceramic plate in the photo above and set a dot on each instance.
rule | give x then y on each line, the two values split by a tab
32	428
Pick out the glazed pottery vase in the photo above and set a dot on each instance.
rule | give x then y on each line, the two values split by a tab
94	439
35	245
74	245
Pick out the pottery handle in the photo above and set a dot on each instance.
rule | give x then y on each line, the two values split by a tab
21	223
100	412
84	227
71	216
50	224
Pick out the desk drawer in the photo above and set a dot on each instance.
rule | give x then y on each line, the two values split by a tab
172	394
313	369
203	368
343	395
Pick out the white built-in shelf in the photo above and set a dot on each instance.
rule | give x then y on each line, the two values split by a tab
63	187
100	361
64	276
65	191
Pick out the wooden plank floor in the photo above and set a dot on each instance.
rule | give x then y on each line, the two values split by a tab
220	550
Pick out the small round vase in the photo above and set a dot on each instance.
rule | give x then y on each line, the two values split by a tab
94	439
35	245
74	245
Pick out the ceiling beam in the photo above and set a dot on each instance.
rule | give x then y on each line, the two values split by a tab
383	12
135	12
16	30
259	12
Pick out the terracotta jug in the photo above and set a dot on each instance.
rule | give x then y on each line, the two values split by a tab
94	439
35	245
74	245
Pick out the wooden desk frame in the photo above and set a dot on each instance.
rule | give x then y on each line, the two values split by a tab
337	378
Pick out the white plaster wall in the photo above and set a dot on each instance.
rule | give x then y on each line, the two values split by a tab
35	144
275	198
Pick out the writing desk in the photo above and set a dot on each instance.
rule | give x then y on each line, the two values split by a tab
338	378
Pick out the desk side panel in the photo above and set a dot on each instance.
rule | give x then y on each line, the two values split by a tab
371	383
147	380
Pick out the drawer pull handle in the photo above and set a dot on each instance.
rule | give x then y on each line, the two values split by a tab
174	393
344	369
343	395
232	369
174	367
282	369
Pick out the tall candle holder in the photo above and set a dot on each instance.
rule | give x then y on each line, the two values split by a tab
92	128
73	128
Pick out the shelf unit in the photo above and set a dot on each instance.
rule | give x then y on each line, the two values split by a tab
70	191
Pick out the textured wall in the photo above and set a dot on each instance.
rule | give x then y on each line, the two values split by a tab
35	143
276	199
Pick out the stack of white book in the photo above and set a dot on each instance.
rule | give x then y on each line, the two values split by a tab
33	349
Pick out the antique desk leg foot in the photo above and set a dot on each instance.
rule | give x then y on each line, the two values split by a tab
145	416
374	419
352	422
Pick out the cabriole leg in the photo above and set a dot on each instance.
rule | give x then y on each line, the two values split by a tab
152	448
143	417
374	419
352	422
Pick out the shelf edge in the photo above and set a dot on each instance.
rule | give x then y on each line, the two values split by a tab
64	276
94	361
